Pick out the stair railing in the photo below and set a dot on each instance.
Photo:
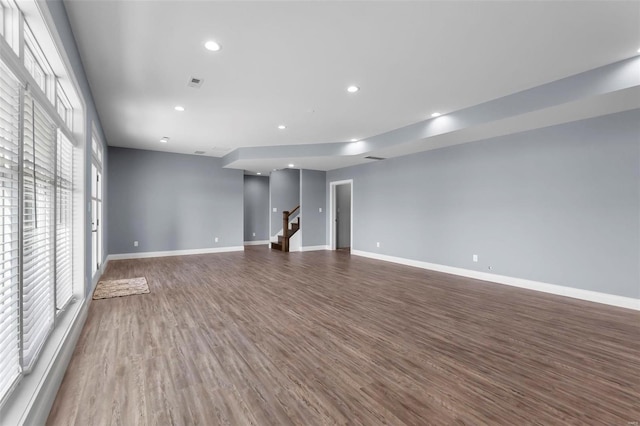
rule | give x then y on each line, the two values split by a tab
285	227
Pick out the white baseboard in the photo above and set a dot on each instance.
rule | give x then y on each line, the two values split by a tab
147	254
314	248
256	243
33	398
576	293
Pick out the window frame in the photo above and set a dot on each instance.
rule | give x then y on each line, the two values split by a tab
13	43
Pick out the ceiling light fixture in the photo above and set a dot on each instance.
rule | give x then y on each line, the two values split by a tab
259	173
436	114
179	108
212	46
282	127
354	140
352	89
290	165
165	139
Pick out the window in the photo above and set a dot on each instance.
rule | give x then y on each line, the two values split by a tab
9	23
2	18
64	223
9	198
38	200
63	106
37	65
35	69
37	192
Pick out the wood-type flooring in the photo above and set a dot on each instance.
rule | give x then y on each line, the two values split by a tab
316	338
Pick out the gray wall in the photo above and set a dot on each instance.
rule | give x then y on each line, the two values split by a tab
313	222
285	195
256	208
559	205
343	216
172	202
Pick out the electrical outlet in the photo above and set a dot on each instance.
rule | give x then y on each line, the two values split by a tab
378	244
320	210
275	209
135	244
475	257
216	239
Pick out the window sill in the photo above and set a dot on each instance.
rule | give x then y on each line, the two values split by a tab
33	397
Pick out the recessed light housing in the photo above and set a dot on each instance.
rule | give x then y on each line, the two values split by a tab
352	89
354	140
282	127
259	173
179	108
290	165
436	114
212	46
164	139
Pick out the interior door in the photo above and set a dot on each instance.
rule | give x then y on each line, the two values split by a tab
343	216
96	218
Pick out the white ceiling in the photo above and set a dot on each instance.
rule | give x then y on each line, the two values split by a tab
290	63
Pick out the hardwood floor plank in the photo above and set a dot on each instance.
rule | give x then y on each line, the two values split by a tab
319	338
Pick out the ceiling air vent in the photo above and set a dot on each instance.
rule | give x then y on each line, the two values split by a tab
199	152
195	82
371	157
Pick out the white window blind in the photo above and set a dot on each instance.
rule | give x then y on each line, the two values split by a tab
38	278
64	200
9	231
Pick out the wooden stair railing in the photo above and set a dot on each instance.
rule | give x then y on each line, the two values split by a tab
283	240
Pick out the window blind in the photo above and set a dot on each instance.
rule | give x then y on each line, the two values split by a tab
9	230
38	197
64	200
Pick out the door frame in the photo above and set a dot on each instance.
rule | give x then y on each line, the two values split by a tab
332	212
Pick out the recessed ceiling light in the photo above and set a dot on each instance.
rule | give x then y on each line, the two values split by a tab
212	46
354	140
179	108
436	114
282	127
164	139
259	173
352	89
290	165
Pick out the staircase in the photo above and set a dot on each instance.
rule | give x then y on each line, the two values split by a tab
288	229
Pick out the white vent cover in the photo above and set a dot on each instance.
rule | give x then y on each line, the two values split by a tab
195	82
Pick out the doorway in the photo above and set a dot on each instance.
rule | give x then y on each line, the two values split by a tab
341	210
96	206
